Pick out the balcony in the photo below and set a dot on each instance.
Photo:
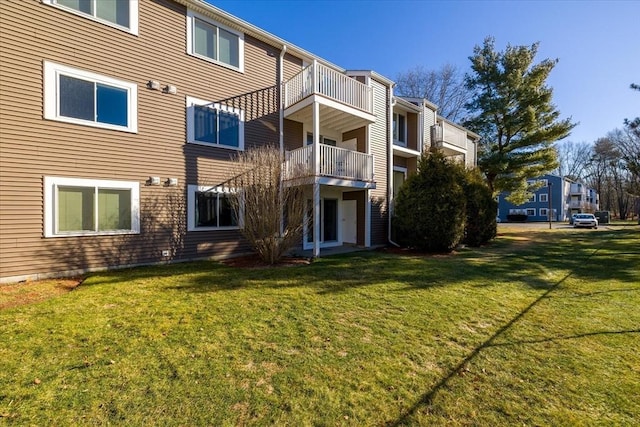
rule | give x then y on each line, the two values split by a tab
451	140
338	166
344	102
576	189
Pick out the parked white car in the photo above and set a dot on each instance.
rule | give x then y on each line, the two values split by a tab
585	220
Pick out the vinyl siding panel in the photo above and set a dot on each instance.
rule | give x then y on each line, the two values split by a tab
293	135
378	140
32	147
429	120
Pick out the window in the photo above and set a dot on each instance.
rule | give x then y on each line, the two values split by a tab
531	212
214	42
121	14
80	97
78	207
543	211
323	140
544	197
214	124
532	198
399	129
209	208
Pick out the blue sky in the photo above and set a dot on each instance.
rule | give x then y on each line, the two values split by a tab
597	43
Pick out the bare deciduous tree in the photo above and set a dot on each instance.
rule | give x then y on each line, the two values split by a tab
262	197
444	87
572	159
608	174
630	149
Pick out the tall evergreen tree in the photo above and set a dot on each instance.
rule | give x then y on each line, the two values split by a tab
513	113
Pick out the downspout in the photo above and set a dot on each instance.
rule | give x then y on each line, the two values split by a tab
435	123
390	164
281	88
475	152
281	120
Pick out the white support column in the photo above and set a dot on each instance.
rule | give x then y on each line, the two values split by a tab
316	186
367	218
316	219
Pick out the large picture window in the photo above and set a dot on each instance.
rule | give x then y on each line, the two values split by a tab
76	207
77	96
209	209
213	124
122	14
214	42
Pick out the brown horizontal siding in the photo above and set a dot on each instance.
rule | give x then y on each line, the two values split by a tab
293	135
360	135
399	161
32	147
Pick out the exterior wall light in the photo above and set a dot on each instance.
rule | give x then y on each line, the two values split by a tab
153	85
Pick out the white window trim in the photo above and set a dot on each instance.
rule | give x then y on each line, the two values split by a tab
191	101
530	209
191	15
545	196
191	208
543	211
52	71
133	16
397	141
51	204
532	199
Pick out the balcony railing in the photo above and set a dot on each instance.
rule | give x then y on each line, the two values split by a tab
444	132
322	80
576	189
335	162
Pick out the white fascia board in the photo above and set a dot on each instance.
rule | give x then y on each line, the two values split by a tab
406	105
423	101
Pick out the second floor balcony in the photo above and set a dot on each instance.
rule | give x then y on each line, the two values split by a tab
336	166
577	189
344	102
451	140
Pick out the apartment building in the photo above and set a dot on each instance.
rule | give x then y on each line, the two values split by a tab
562	195
119	121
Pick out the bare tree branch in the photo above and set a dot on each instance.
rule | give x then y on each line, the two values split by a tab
444	87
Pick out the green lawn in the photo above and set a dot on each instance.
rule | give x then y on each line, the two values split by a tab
540	328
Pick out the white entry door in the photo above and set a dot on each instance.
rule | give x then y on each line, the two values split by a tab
349	221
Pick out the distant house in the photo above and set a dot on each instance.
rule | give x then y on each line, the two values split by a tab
567	198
